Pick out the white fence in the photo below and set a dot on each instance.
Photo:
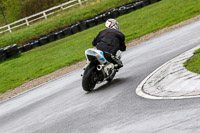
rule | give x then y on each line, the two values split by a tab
41	15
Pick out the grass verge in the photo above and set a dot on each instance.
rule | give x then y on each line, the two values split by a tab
193	64
53	56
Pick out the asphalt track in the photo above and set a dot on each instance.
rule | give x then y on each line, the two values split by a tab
61	106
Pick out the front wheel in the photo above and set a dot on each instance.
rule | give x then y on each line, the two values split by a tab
89	76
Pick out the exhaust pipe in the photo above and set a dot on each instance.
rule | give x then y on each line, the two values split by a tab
99	67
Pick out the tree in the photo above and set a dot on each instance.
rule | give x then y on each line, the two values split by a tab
12	9
3	17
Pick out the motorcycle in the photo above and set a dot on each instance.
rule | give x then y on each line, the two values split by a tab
98	69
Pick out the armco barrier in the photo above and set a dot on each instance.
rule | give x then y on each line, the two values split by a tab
74	28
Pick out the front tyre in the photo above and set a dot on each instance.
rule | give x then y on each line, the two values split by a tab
89	76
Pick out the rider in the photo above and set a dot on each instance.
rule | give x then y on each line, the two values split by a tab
110	40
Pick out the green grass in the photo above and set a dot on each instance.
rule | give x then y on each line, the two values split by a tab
197	51
90	9
53	56
193	64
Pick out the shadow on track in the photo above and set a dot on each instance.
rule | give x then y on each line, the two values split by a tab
113	83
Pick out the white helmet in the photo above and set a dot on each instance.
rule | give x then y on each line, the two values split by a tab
112	24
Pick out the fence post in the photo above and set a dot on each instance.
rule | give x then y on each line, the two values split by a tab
80	2
62	7
9	28
27	23
45	16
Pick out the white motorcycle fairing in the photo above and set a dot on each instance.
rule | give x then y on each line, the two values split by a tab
98	54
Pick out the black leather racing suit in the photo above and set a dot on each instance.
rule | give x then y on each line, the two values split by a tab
110	41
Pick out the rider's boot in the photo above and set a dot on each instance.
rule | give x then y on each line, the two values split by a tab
118	62
118	66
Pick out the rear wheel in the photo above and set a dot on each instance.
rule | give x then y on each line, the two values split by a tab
89	78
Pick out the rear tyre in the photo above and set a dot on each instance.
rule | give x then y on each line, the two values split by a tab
88	81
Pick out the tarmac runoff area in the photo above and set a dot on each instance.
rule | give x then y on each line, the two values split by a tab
171	81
